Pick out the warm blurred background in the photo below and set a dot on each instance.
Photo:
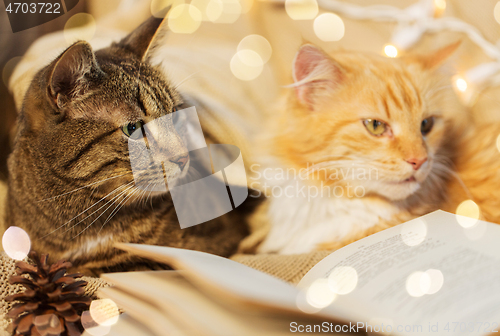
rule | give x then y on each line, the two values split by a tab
391	28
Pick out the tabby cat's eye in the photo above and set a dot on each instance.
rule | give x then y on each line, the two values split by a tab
426	125
131	128
375	127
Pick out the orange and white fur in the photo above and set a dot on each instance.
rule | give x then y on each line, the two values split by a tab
396	120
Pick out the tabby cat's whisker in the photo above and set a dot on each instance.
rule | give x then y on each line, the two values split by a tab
149	196
117	208
112	200
112	212
81	213
70	192
145	190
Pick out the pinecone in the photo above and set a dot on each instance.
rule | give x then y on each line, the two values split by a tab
51	302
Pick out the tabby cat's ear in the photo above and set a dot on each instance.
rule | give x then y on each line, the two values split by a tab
437	58
70	75
315	75
143	40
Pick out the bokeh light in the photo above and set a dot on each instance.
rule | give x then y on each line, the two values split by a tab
231	10
418	283
202	7
8	69
303	305
301	9
470	212
184	19
436	281
439	7
414	232
391	51
80	26
92	327
44	322
16	243
319	294
104	312
329	27
157	6
257	43
246	5
477	231
214	10
246	65
343	280
461	84
496	12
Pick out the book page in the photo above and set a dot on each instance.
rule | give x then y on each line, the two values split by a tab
222	275
435	275
178	300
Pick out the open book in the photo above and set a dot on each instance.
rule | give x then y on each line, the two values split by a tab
436	275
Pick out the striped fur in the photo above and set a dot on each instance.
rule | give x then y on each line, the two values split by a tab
71	185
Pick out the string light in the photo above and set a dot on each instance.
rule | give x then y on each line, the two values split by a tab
422	17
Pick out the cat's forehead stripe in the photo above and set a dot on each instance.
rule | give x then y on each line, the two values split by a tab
393	96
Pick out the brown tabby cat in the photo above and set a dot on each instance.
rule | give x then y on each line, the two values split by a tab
362	143
71	185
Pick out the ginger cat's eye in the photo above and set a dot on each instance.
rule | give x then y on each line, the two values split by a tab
427	125
375	127
131	128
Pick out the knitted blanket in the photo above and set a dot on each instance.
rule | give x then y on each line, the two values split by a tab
289	268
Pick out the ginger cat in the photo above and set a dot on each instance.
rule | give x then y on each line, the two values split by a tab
361	143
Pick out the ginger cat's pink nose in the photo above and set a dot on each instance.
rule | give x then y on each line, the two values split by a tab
417	162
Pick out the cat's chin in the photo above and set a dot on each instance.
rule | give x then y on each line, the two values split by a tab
397	191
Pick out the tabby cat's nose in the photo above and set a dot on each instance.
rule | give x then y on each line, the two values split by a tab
417	162
180	160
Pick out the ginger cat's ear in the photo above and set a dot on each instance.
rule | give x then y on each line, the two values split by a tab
315	75
437	58
143	40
